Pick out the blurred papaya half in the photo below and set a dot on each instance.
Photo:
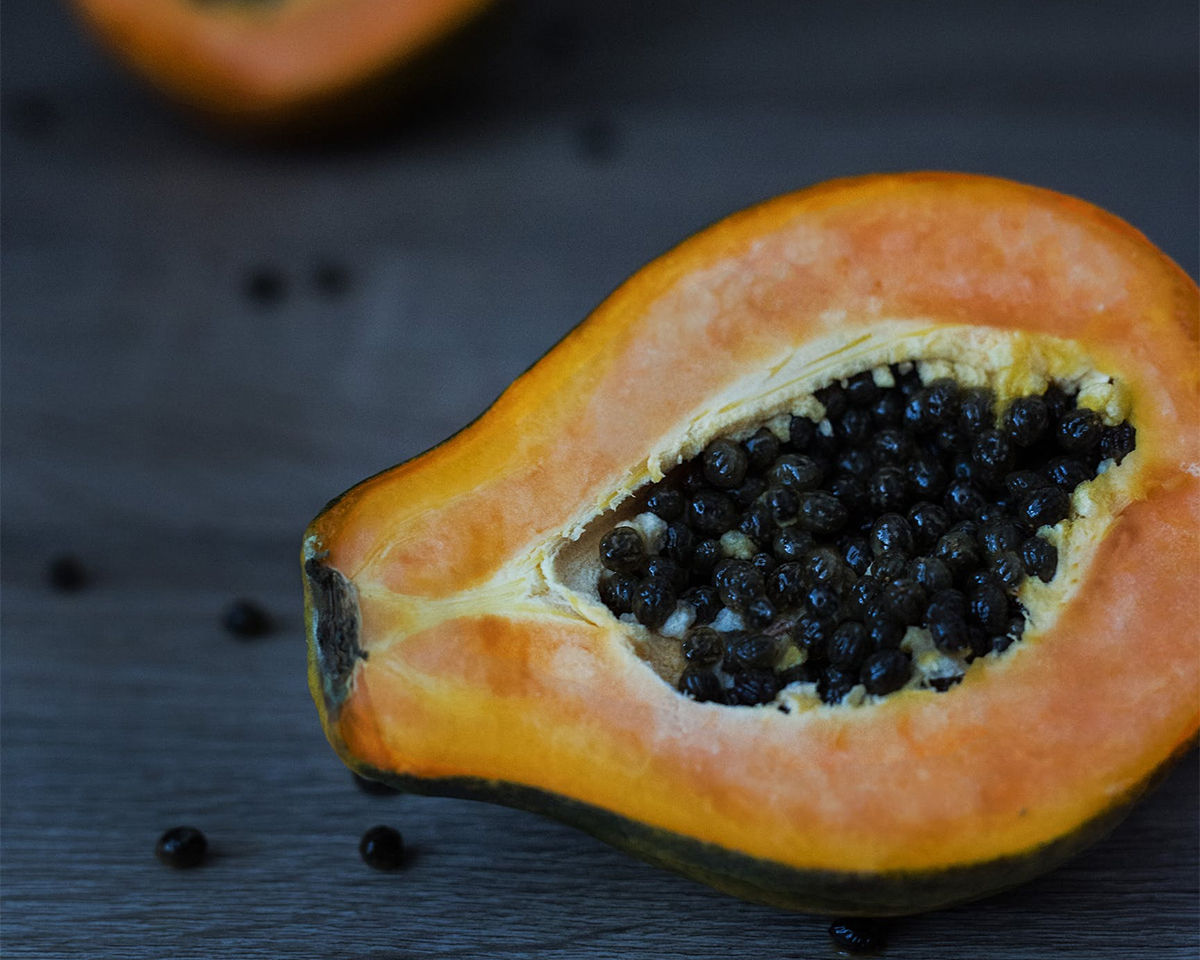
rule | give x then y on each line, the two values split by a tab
286	65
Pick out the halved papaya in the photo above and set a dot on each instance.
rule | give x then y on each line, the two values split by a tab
465	640
280	65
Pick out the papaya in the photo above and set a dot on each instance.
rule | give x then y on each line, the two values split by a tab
286	68
843	559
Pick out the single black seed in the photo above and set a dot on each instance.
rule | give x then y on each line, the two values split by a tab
653	602
760	612
678	542
979	578
861	389
382	848
67	573
860	595
244	618
1057	401
963	500
1079	430
782	504
929	523
969	527
785	585
891	533
181	847
748	492
992	452
848	646
791	543
711	513
976	415
931	573
888	566
664	568
666	502
887	490
885	672
758	524
951	438
857	554
908	382
833	398
762	449
375	788
812	636
725	464
751	687
764	563
622	550
1045	507
989	607
1020	483
705	556
1008	569
854	426
856	461
797	471
1039	558
617	590
949	631
958	550
706	602
979	642
835	683
926	476
1067	473
737	583
822	565
1025	420
884	634
965	468
822	513
850	491
904	599
756	651
999	536
1116	443
888	410
991	514
700	683
934	405
801	431
891	447
822	602
265	285
691	477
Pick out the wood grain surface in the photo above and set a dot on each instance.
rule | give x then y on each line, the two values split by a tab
204	341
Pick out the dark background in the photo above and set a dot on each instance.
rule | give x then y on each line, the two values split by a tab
203	341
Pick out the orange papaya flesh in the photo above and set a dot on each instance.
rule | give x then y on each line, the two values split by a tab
285	67
457	644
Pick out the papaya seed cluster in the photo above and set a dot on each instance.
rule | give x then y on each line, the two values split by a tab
879	547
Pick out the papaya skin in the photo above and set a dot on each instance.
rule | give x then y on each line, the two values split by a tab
288	69
474	661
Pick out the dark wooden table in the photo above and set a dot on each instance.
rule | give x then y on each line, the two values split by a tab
202	342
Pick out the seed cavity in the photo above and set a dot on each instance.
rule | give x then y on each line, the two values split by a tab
874	541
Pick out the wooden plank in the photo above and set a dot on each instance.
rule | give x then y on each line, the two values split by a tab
178	432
